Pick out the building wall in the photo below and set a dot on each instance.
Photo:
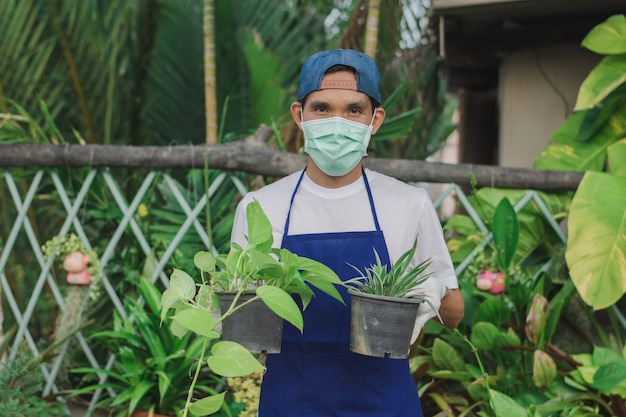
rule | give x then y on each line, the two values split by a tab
537	92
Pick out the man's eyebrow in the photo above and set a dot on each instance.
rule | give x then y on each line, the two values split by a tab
318	103
363	104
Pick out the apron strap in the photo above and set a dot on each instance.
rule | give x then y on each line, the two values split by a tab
293	196
369	195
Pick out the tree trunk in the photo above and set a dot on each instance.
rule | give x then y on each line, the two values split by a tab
371	28
210	100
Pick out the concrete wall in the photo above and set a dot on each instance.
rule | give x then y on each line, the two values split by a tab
537	91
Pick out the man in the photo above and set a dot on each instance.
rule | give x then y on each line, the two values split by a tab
338	213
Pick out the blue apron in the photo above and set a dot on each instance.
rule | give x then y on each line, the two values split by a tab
315	374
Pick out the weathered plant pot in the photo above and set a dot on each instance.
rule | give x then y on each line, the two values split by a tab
255	326
381	326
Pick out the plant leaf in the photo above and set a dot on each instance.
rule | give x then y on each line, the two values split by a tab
610	375
281	303
544	369
230	359
207	405
609	37
505	233
204	261
617	158
197	320
504	405
566	153
259	228
446	357
596	249
604	78
485	336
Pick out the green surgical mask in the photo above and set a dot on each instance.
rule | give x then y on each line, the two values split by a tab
335	144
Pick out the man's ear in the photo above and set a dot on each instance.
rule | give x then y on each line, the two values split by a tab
379	117
295	108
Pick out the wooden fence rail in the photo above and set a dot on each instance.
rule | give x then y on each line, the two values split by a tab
253	155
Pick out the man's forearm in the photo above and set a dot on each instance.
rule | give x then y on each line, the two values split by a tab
452	308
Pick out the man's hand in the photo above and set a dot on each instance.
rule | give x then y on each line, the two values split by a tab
432	292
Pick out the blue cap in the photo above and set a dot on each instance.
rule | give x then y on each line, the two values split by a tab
315	67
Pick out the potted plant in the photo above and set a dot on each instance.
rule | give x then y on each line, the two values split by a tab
262	279
384	307
244	278
150	373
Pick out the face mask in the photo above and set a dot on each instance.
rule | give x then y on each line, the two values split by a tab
335	144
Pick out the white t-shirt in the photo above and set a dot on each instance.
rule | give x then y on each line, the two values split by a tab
405	213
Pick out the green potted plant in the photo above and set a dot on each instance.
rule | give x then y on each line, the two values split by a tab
151	370
262	279
384	307
255	275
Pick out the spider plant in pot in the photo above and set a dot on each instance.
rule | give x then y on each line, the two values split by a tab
235	289
384	307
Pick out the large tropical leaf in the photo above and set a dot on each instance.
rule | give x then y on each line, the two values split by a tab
27	48
595	252
78	57
607	76
173	102
609	37
566	153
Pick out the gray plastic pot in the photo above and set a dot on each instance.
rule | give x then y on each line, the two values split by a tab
381	326
255	326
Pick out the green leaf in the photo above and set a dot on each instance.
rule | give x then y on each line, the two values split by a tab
461	223
617	158
259	228
596	248
446	357
566	153
596	117
204	261
503	405
282	304
320	276
494	311
197	320
544	369
556	305
182	284
182	288
269	75
150	293
397	127
607	76
609	37
230	359
485	336
505	233
610	375
603	356
207	405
